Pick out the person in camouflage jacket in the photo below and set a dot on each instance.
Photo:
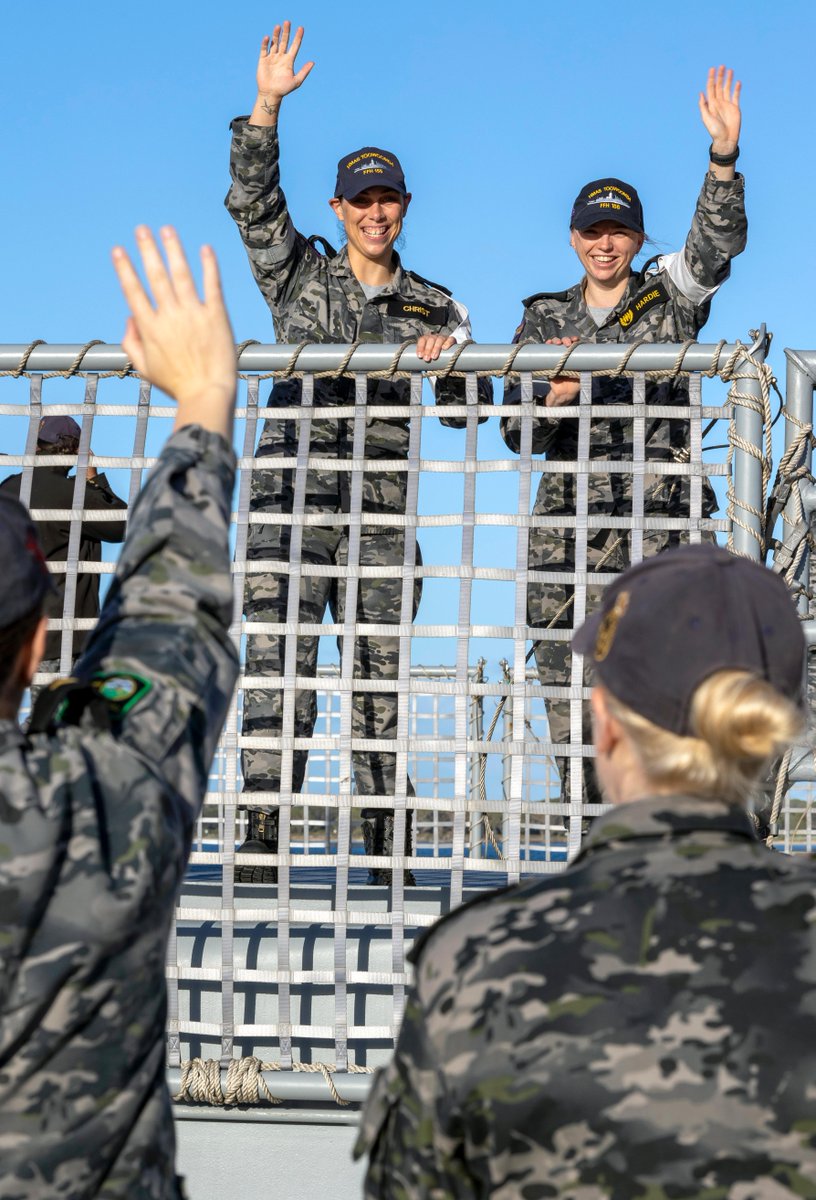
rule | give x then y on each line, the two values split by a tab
100	795
363	293
668	300
642	1026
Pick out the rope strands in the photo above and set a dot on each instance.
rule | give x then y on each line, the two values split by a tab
245	1083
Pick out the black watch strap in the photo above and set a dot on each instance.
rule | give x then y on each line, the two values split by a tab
723	160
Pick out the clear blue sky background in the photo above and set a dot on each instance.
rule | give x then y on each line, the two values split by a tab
115	115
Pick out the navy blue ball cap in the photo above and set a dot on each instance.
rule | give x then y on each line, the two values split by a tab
607	199
369	167
52	429
669	623
26	579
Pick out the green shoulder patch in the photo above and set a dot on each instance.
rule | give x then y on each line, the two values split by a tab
121	690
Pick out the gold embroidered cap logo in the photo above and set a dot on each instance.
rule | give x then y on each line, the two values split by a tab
609	627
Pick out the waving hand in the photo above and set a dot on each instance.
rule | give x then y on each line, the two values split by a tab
720	111
276	75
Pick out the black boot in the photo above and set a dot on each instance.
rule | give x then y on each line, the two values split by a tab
261	838
378	838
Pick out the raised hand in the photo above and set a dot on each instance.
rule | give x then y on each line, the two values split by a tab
179	343
276	75
720	109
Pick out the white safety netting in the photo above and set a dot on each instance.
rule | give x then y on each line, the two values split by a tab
312	969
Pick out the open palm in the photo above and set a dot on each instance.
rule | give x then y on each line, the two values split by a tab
720	108
276	74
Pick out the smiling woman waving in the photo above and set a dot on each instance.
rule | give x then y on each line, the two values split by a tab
362	293
668	300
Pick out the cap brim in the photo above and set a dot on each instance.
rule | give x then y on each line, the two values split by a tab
587	220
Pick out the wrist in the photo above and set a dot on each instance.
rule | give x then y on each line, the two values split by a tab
269	101
724	153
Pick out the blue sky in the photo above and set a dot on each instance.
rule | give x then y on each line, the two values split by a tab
117	115
112	116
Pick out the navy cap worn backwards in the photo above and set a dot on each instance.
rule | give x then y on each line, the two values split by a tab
25	574
367	168
607	200
669	623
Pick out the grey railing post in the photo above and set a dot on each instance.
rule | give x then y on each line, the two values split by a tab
799	383
477	832
799	387
748	493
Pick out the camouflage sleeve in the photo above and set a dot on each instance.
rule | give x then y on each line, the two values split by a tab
718	233
407	1128
454	391
545	431
279	256
161	654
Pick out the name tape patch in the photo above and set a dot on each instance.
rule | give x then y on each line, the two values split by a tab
654	294
417	311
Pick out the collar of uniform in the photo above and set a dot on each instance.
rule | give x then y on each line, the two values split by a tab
628	295
661	816
339	265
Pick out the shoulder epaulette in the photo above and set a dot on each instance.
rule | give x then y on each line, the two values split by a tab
429	283
419	944
64	702
328	248
546	296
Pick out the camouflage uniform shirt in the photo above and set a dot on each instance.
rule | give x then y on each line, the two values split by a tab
314	298
641	1026
95	832
668	301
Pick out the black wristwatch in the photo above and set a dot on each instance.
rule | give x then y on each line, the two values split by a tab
723	160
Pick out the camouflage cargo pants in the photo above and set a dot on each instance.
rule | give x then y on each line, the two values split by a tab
374	714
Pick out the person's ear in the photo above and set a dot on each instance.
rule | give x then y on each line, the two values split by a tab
406	201
29	656
606	731
337	205
641	240
572	238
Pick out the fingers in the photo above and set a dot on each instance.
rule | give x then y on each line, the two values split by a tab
303	72
430	345
721	85
132	345
296	40
181	278
131	285
213	294
154	267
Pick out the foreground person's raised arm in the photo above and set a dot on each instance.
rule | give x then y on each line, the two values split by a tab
161	654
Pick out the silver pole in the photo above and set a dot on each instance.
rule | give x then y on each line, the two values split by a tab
748	493
377	357
477	734
800	381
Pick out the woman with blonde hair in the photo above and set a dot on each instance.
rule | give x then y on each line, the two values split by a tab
642	1025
